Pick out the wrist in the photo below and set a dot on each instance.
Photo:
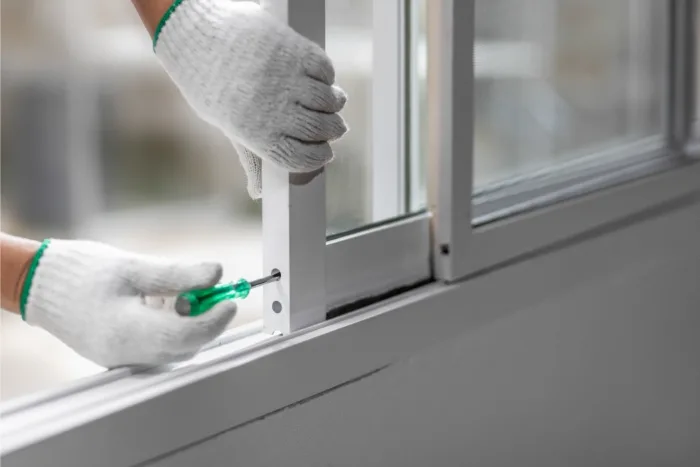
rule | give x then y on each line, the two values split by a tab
28	276
17	255
153	13
209	26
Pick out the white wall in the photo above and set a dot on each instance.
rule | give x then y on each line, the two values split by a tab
603	370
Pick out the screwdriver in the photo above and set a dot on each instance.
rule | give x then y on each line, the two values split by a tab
196	302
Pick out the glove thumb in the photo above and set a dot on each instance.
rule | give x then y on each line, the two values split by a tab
252	165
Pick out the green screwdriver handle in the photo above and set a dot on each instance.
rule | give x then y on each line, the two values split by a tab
237	291
196	302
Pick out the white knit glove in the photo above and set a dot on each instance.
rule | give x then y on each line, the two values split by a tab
107	305
269	89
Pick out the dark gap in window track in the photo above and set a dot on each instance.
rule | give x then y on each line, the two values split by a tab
368	301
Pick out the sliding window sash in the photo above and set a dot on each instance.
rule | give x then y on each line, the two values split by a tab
466	242
319	278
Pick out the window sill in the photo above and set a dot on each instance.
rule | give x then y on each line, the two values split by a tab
33	418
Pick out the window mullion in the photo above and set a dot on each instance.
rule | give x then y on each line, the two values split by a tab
294	211
450	130
681	73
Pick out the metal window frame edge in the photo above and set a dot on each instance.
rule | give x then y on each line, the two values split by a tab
450	88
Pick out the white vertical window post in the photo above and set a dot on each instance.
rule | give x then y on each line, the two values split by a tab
294	212
682	82
450	131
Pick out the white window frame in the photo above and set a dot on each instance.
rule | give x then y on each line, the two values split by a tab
294	212
319	278
469	241
129	418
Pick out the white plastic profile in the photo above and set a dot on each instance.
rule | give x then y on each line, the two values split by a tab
294	212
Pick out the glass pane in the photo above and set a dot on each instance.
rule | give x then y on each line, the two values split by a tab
562	79
98	143
418	86
367	182
349	31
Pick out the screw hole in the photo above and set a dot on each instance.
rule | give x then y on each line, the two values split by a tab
277	307
445	249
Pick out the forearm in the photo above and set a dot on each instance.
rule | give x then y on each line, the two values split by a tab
151	12
16	256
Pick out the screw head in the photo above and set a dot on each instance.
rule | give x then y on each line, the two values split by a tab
277	307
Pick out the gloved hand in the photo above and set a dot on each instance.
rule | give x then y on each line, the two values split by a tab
269	89
107	305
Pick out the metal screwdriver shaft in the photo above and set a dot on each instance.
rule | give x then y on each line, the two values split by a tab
274	277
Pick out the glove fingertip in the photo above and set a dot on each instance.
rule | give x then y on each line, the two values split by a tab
341	96
340	128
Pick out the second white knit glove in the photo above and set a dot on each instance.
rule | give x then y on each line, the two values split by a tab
117	308
269	89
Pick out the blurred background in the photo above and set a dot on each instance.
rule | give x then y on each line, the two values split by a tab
97	142
560	80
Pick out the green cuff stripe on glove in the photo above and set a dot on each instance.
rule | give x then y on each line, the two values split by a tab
164	20
30	275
